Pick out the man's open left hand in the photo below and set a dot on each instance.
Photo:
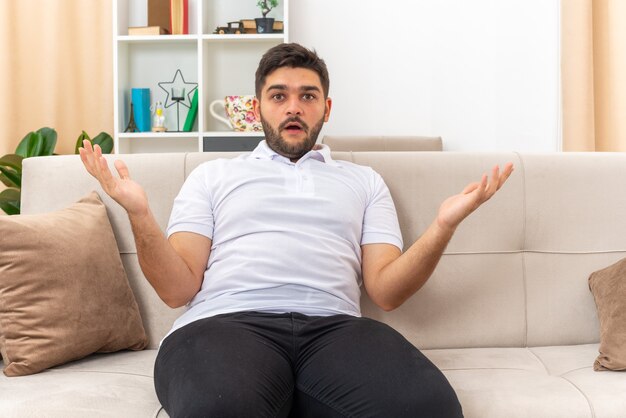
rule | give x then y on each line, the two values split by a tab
456	208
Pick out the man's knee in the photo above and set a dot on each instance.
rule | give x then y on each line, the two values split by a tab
429	394
385	375
441	402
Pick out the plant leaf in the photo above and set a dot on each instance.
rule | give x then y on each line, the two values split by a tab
79	142
105	141
13	161
36	144
10	201
4	179
49	140
22	147
14	177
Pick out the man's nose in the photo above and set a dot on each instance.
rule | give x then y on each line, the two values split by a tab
293	107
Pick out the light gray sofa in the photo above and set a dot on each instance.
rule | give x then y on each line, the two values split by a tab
507	315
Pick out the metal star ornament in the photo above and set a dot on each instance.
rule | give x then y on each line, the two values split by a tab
178	86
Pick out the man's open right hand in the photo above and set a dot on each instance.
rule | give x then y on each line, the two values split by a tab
129	194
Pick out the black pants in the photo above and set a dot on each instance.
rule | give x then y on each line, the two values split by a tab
251	364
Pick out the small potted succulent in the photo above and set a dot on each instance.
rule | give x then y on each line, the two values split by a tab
265	24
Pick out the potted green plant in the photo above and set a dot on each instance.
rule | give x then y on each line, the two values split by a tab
35	144
265	24
103	139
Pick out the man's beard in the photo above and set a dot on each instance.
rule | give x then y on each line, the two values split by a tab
292	151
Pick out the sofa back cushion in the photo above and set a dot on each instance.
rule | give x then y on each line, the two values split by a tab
476	295
575	225
515	273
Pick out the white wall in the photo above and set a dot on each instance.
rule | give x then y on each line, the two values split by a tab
483	74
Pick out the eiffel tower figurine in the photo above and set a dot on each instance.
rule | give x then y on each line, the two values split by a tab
131	127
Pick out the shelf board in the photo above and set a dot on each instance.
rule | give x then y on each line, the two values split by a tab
244	37
156	38
188	38
158	135
233	134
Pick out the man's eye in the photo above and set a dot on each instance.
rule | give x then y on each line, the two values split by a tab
308	96
278	96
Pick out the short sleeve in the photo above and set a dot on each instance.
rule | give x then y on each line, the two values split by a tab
193	208
380	223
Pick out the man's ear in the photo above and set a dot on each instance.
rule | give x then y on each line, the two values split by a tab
256	107
329	105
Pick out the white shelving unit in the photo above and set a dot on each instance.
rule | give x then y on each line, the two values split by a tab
221	65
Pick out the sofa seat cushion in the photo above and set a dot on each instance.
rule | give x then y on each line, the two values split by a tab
548	382
538	382
101	385
605	390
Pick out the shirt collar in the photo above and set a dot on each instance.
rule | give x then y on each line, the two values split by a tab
320	152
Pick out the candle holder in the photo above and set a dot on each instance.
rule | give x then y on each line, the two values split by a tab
178	93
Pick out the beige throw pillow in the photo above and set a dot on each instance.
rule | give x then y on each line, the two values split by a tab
63	291
609	291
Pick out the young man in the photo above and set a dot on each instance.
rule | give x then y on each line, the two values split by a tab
268	252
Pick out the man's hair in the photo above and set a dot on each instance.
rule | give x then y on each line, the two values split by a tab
294	56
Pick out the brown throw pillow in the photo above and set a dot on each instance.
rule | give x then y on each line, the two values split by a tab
609	291
63	291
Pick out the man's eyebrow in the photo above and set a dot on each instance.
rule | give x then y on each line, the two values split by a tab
309	88
284	87
277	87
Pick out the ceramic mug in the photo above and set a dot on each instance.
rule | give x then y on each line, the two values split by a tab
240	113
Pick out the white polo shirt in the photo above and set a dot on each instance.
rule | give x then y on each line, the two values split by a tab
286	237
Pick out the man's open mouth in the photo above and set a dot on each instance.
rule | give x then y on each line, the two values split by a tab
293	127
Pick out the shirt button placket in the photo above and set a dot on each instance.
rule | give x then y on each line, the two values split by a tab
299	176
